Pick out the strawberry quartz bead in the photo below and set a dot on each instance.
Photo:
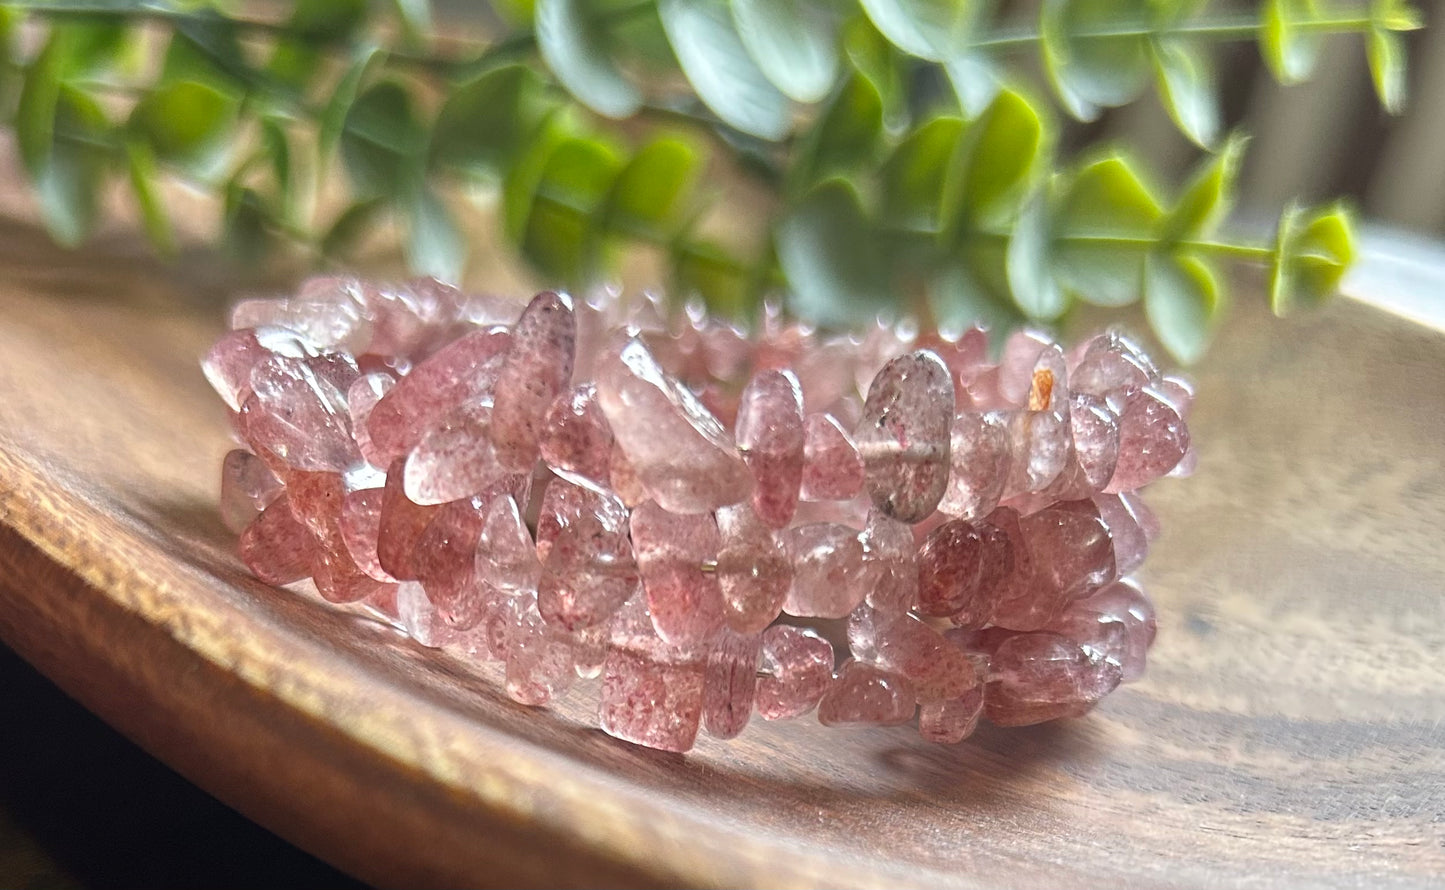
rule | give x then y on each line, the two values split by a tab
276	547
903	436
950	563
829	575
506	557
1034	677
903	644
537	367
753	570
402	523
681	453
247	486
797	668
832	468
588	568
652	692
463	371
455	459
1068	555
674	556
298	413
539	655
360	523
729	684
445	556
1152	440
1131	544
770	436
1118	622
979	448
889	559
864	693
361	398
1112	367
1040	434
1095	432
950	722
576	441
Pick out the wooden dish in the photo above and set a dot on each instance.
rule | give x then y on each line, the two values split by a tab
1289	731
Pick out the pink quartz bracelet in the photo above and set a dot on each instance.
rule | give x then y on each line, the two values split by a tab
589	490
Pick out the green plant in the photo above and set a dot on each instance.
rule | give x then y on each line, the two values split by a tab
892	151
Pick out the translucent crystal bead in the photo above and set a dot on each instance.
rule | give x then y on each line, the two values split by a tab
770	436
676	555
682	455
752	569
797	668
903	436
865	693
1034	677
535	369
729	684
576	441
832	469
829	576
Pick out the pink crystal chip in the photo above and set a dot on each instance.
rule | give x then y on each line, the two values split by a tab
797	669
462	371
247	486
681	453
576	441
1152	440
753	570
832	469
588	568
903	436
537	367
674	553
829	575
770	436
1033	677
980	453
729	684
863	693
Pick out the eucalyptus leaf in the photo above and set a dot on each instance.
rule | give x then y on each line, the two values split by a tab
350	226
846	136
1183	302
834	265
247	224
381	139
1206	199
1028	263
1313	249
343	96
415	18
72	175
1189	90
959	300
1386	54
35	111
652	190
1090	71
1291	51
141	165
874	57
720	70
914	176
922	28
434	243
184	120
996	162
573	46
976	81
487	121
793	42
1106	224
519	186
704	269
561	237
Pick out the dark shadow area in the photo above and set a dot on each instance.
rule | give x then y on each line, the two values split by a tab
110	815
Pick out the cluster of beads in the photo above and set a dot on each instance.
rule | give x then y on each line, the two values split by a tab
679	508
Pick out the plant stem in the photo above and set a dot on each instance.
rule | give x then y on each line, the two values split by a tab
1234	27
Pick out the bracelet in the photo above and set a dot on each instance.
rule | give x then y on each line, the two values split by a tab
713	523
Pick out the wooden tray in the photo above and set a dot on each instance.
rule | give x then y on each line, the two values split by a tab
1289	731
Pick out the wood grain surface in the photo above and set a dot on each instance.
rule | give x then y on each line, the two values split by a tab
1290	732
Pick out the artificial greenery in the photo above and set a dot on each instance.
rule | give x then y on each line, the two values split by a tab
883	155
